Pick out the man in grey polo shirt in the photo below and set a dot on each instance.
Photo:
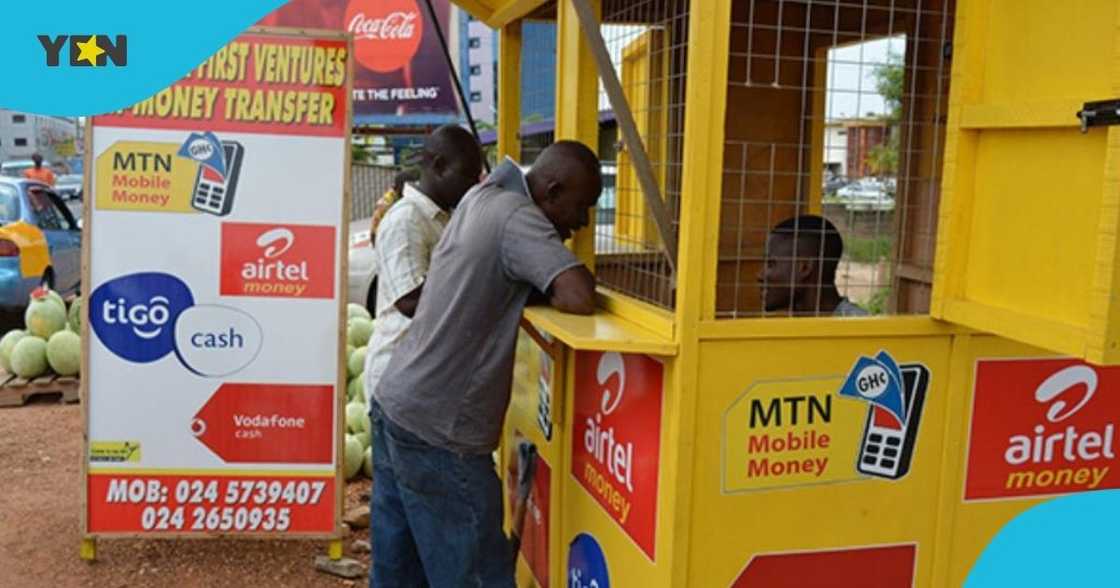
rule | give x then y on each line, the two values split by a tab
439	408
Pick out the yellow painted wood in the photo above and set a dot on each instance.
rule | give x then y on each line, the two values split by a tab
509	91
509	11
334	549
577	101
826	328
87	550
653	318
1026	246
599	332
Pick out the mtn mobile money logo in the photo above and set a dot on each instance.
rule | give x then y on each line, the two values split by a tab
85	50
616	441
793	431
1042	427
281	261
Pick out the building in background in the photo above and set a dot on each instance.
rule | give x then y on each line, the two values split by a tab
478	67
849	143
22	134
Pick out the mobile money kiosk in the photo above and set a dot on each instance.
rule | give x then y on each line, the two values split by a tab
689	437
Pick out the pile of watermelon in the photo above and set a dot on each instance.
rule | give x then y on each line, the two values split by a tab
49	341
357	456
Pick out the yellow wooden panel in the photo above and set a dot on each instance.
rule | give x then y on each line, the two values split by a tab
841	509
600	332
1027	246
1033	237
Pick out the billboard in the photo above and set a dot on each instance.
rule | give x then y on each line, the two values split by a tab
213	374
400	73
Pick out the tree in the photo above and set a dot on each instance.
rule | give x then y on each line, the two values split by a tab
359	153
889	79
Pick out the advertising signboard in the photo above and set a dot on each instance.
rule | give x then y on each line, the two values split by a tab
213	242
400	74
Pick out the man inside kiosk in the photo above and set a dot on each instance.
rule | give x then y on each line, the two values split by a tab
439	407
798	277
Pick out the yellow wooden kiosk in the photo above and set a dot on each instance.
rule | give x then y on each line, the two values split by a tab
689	437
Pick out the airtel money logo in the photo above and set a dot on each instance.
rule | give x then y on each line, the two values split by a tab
1042	427
387	33
283	261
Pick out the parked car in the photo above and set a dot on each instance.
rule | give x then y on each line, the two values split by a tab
40	242
833	183
16	167
362	281
69	186
868	194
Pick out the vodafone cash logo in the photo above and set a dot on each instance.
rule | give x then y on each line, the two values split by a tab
1042	427
280	261
387	33
616	443
134	315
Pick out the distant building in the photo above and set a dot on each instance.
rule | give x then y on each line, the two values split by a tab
848	143
22	134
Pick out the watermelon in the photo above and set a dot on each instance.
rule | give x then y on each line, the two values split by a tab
364	438
75	315
357	362
356	311
358	331
349	351
29	358
367	463
44	317
7	344
352	463
357	418
64	353
356	391
55	297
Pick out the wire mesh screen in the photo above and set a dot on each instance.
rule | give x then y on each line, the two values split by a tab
368	183
834	138
647	41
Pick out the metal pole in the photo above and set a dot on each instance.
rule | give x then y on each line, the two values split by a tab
455	77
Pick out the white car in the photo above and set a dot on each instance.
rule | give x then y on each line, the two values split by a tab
868	194
362	281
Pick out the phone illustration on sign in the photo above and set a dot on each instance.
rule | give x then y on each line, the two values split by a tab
896	395
219	169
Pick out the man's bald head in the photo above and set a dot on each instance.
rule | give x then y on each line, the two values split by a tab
565	182
450	163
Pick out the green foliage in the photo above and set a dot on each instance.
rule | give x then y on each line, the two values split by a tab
864	250
878	302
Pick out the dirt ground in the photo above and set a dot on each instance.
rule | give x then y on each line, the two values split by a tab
40	449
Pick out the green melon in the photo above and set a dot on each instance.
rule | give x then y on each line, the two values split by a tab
358	331
357	311
364	437
64	353
7	344
367	463
74	317
352	462
357	362
357	418
356	391
44	317
29	358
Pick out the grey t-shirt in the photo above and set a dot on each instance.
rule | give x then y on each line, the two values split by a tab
449	379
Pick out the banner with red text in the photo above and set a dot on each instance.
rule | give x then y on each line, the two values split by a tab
214	236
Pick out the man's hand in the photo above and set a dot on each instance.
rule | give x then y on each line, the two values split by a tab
407	304
573	291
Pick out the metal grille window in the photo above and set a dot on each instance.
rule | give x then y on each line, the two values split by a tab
835	111
647	42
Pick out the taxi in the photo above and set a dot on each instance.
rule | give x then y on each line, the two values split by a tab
40	242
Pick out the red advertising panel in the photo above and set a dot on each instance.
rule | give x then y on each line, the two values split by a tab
867	567
255	84
400	69
148	503
616	440
534	537
283	261
1042	427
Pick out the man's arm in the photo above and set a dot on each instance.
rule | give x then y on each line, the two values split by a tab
407	304
573	291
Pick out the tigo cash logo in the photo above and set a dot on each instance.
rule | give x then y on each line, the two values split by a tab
85	50
279	261
134	315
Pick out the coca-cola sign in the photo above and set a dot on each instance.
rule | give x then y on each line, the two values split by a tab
387	33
